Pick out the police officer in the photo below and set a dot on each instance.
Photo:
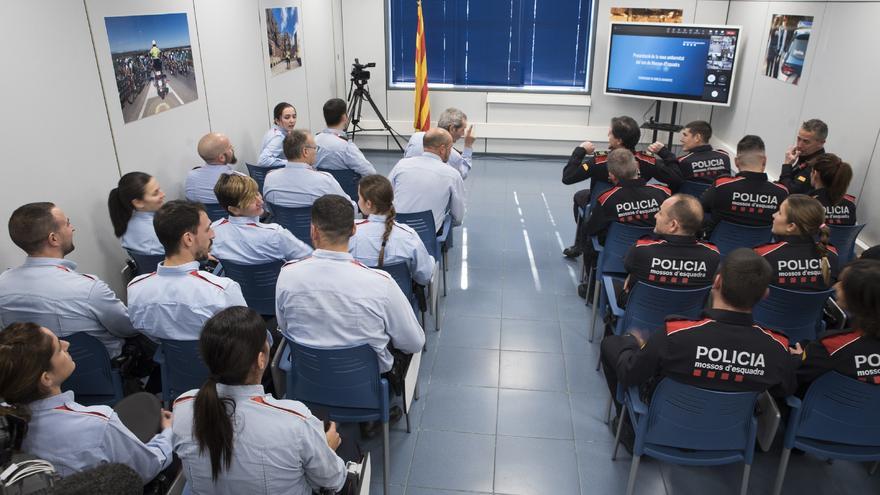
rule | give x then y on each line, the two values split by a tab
854	352
830	180
335	151
71	436
454	121
700	162
175	301
722	350
797	168
318	298
630	201
48	289
379	240
241	237
797	260
275	446
672	257
219	155
132	205
272	147
425	182
298	184
747	198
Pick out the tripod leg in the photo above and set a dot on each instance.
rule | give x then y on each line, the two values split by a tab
382	119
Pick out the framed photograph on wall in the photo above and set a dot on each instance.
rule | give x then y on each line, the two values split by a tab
787	47
284	38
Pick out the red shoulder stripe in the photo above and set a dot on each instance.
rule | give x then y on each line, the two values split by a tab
722	151
600	159
676	326
88	276
140	279
223	222
607	194
723	181
181	400
291	262
765	249
262	401
195	273
832	249
834	343
362	222
650	160
685	156
849	197
662	188
709	245
780	338
780	186
649	242
91	413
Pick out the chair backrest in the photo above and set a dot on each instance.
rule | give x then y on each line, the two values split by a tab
259	174
348	179
215	211
728	236
297	220
599	187
94	381
401	274
182	367
793	312
423	223
648	306
145	263
619	239
336	378
840	409
694	188
843	237
687	417
257	283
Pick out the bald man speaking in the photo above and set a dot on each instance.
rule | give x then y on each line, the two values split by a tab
219	156
426	182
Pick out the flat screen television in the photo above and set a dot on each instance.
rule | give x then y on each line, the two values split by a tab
677	62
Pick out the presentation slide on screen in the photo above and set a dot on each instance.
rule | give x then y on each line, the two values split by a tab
659	64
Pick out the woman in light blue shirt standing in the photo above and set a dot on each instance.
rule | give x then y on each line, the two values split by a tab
272	148
133	204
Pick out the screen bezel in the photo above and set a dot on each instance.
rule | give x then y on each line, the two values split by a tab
736	55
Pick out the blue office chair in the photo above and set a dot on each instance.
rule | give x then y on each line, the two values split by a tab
843	237
182	367
401	274
215	211
729	236
837	419
691	426
795	313
348	179
619	238
145	263
94	381
297	220
694	188
259	174
257	283
342	385
436	244
648	305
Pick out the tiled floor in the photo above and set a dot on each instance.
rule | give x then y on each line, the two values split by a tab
510	400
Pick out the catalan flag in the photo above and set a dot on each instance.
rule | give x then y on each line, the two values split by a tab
422	119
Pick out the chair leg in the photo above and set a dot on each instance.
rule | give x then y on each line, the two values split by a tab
744	488
443	269
595	305
386	461
617	435
780	475
634	468
407	419
416	391
608	413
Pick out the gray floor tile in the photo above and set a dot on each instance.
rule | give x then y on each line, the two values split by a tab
580	370
455	461
473	303
533	371
535	466
462	409
531	336
599	474
528	413
534	307
472	332
462	366
416	490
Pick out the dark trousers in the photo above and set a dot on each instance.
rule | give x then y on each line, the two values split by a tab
580	200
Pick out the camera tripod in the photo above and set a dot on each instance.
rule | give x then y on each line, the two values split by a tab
357	93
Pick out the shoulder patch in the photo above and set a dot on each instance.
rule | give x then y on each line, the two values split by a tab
662	188
140	278
607	194
836	342
779	337
263	402
709	245
66	408
765	249
676	326
723	181
195	273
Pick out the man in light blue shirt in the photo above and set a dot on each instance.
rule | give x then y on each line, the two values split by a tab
219	156
335	151
175	301
454	121
48	290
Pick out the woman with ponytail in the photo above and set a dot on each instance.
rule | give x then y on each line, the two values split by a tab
33	365
133	204
381	241
800	256
232	437
830	179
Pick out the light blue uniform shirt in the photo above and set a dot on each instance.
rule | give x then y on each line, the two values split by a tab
404	245
278	447
272	148
175	301
459	161
247	241
331	300
140	236
426	183
337	153
51	293
298	185
200	182
75	438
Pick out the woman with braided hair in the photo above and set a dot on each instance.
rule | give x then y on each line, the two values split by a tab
381	241
830	179
800	256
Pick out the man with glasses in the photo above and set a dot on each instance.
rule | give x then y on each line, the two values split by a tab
219	156
298	184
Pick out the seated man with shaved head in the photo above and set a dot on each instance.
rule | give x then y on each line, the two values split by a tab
219	155
426	182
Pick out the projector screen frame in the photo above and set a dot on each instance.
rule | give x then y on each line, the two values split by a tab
736	56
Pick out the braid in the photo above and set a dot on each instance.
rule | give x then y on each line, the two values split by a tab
389	224
822	249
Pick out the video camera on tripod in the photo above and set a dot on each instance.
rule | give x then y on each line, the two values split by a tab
357	94
359	71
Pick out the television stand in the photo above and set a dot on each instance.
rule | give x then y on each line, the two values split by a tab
668	127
